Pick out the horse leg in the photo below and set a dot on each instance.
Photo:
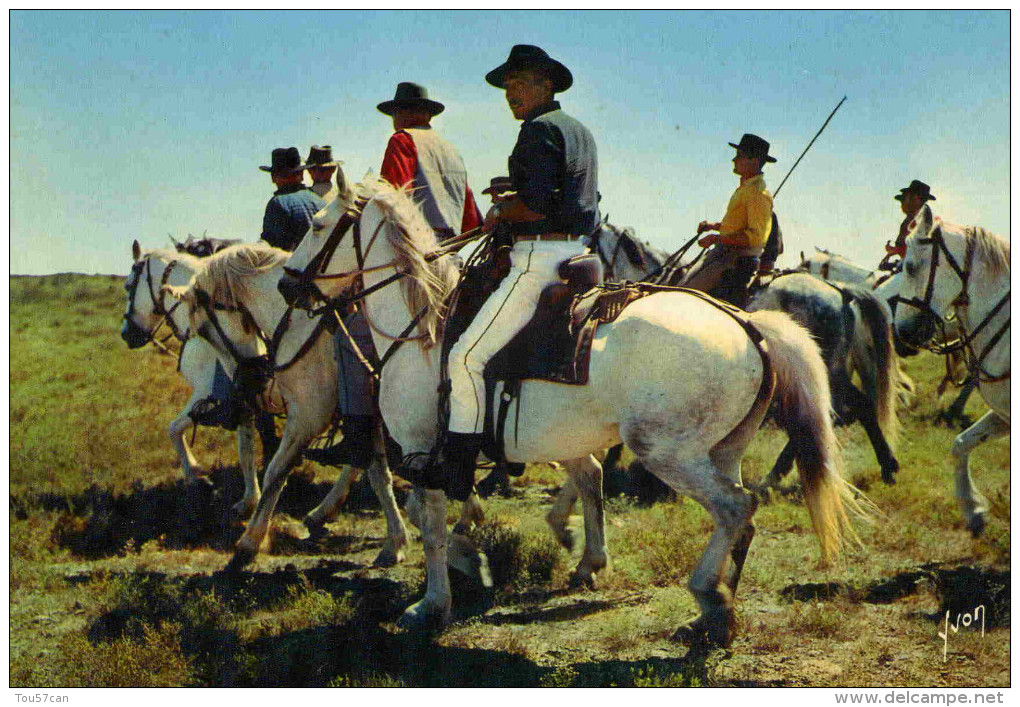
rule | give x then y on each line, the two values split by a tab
559	514
265	424
612	460
189	465
434	609
246	456
954	413
326	511
496	481
381	480
972	503
276	477
864	409
585	474
781	468
471	513
731	507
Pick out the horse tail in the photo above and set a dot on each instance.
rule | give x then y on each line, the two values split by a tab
875	361
804	410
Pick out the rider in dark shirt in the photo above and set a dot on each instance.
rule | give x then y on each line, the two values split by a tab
290	212
554	174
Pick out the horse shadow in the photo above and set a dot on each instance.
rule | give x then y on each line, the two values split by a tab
358	646
99	522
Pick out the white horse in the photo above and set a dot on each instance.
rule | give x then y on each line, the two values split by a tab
145	312
229	292
623	255
833	267
676	378
954	272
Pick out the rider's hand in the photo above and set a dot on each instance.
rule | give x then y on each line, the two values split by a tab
703	226
491	218
708	240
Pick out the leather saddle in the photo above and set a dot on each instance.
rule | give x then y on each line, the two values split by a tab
545	348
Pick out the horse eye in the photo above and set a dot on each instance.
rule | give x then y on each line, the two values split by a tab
911	269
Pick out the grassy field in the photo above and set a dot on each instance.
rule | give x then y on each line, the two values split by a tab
113	561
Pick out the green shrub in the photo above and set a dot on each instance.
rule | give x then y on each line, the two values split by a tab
516	559
153	659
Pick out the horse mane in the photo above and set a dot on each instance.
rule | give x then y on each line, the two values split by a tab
225	275
183	257
426	284
641	254
992	250
836	256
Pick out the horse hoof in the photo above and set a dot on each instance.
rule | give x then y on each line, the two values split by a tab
388	558
976	526
889	477
242	511
705	634
241	559
423	618
764	494
199	481
566	539
579	580
316	528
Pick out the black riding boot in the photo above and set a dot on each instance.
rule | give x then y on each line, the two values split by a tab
355	448
456	471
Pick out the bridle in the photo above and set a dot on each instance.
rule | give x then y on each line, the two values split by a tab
165	315
315	270
965	342
203	300
610	263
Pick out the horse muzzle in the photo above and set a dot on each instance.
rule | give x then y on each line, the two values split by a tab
302	294
915	331
133	335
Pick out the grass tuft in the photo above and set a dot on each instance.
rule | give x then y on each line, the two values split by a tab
516	559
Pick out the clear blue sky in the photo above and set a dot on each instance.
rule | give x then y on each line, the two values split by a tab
139	125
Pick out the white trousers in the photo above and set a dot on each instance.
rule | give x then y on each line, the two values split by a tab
533	265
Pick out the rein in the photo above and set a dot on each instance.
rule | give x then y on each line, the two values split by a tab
210	310
667	269
966	342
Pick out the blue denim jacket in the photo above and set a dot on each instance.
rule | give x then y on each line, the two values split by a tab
554	170
289	216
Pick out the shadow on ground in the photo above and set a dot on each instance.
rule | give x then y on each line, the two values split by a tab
99	523
959	590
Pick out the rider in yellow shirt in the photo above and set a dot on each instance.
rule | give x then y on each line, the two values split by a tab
728	268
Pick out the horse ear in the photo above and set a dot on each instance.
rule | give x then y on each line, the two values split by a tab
136	250
924	219
802	258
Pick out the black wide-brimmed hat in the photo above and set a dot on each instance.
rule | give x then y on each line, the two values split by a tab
916	187
285	159
526	56
754	146
321	157
411	95
498	185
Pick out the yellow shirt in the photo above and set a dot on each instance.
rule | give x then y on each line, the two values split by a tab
748	218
